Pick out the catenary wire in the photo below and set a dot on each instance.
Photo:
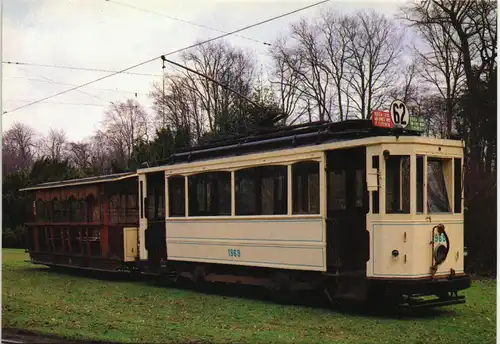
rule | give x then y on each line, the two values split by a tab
66	84
171	53
48	80
58	103
183	21
18	63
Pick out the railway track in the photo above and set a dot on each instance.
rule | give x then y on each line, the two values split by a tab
11	341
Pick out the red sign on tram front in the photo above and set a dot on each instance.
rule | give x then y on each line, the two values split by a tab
382	119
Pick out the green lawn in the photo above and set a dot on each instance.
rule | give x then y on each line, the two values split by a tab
36	299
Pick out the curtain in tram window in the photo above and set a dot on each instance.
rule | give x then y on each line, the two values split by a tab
437	195
267	187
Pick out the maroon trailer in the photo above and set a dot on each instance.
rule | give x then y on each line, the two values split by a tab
85	223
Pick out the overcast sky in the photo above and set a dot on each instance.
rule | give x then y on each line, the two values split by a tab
98	34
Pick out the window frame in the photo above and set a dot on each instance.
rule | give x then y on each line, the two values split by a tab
171	180
448	182
449	173
208	182
303	168
401	199
273	172
285	202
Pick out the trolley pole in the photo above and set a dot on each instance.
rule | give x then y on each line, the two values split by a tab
163	93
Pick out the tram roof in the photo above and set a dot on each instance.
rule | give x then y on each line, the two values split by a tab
281	138
82	181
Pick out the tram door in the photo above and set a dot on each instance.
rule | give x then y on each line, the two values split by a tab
347	205
155	233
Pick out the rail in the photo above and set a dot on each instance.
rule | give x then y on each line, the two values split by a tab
11	341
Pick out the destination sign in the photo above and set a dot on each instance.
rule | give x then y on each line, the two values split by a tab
397	117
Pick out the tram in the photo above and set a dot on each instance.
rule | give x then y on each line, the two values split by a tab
358	209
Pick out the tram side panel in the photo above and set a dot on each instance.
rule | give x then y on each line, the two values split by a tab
283	243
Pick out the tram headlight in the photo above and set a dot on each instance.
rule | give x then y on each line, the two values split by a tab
440	254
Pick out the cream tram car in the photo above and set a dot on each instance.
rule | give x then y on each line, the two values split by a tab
349	208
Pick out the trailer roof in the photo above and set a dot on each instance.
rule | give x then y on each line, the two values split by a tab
82	181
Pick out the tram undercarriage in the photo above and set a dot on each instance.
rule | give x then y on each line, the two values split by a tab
337	288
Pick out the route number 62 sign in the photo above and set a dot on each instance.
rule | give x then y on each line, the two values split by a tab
399	114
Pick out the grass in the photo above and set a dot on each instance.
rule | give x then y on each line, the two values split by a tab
79	307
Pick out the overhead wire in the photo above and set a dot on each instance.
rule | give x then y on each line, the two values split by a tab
183	21
58	103
171	53
74	68
66	84
53	81
83	92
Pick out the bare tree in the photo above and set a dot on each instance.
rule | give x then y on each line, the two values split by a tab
191	101
442	65
174	104
54	145
313	74
125	124
286	80
344	60
231	67
299	66
336	30
18	148
409	89
79	154
375	44
100	152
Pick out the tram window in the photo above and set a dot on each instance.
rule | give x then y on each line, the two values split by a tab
305	188
336	190
420	184
267	195
437	193
132	209
245	194
224	193
261	190
114	208
176	196
458	185
210	194
155	203
376	196
57	210
397	184
75	208
41	209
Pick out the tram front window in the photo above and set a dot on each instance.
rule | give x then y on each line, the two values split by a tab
397	184
437	192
